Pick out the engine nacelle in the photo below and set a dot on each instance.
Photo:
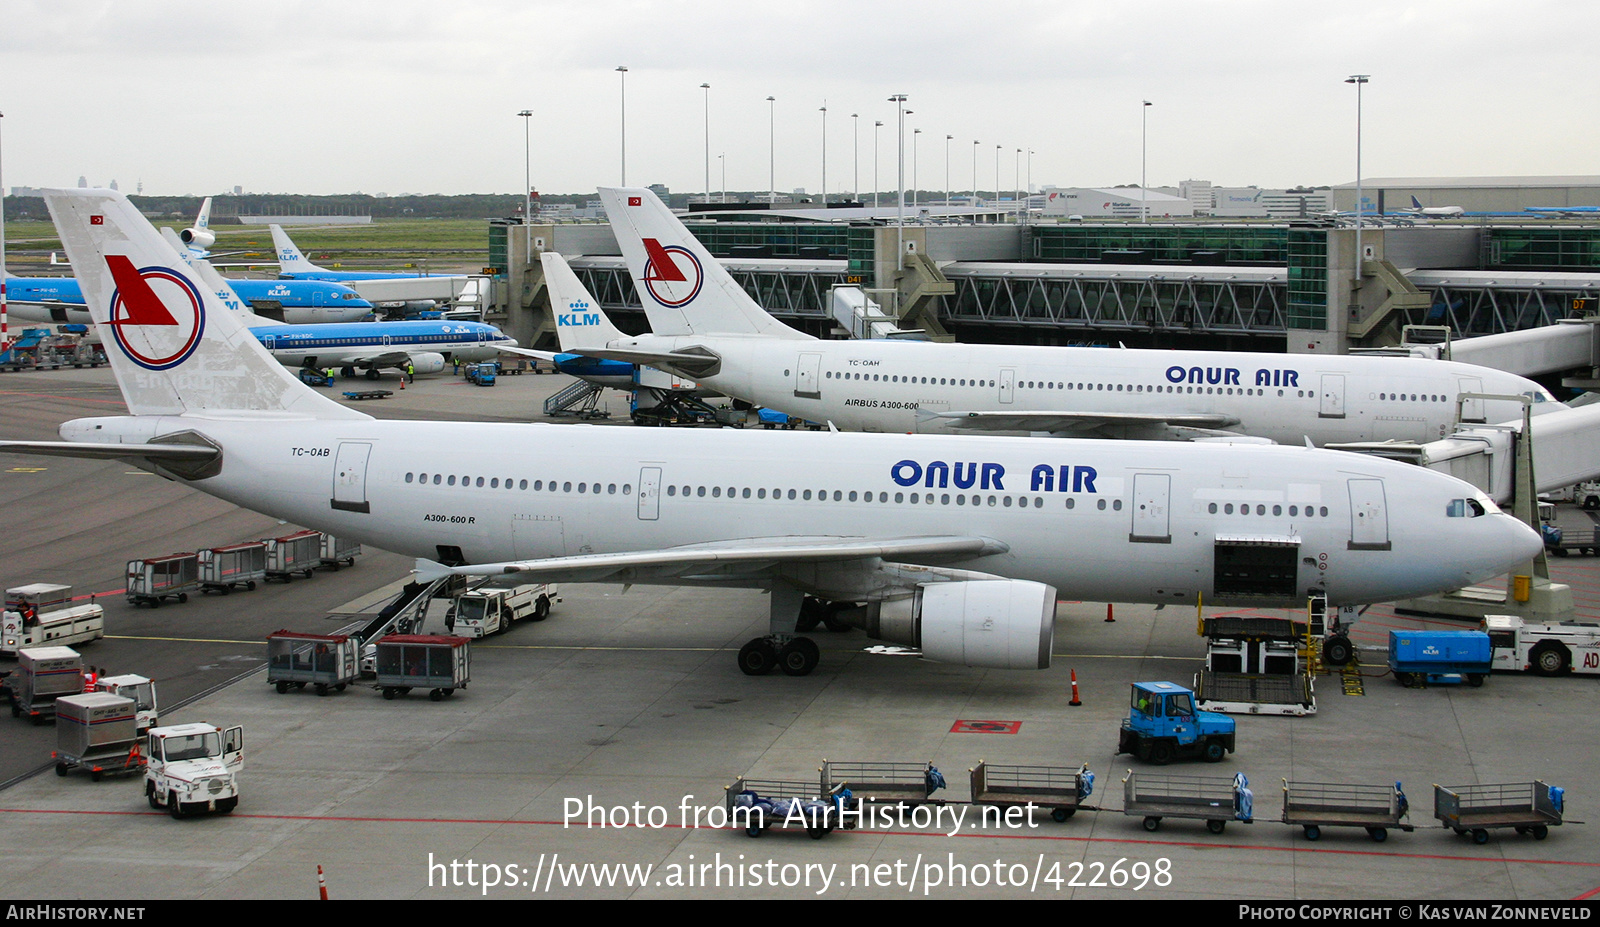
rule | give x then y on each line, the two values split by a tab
198	238
427	362
999	624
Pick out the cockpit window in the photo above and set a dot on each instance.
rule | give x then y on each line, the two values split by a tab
1464	508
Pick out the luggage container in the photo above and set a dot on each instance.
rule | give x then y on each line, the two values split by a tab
1061	789
171	577
222	568
1315	805
43	675
300	552
1440	657
323	661
1212	799
423	661
758	805
338	550
1528	807
884	783
96	731
41	614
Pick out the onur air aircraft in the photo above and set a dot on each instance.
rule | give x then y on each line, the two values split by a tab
387	289
957	545
705	327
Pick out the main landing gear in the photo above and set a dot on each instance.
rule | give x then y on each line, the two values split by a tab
796	656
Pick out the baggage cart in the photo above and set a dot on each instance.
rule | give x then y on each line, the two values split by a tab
338	550
322	661
1061	789
1212	799
96	731
1528	807
171	577
884	783
41	614
1315	805
758	805
435	662
300	552
43	675
222	568
1440	657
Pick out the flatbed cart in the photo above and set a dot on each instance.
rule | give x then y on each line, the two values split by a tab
435	662
96	731
762	804
1061	789
356	395
222	568
1315	805
1212	799
1529	807
171	577
908	784
323	661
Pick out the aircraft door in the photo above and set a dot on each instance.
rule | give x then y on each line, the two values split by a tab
649	493
1369	516
270	342
316	296
1151	509
1471	409
1332	396
350	477
808	376
1008	384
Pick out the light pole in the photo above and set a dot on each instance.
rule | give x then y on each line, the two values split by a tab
772	150
707	89
5	333
947	140
1358	80
722	162
914	134
997	149
1144	122
855	185
622	73
899	101
974	199
1016	175
527	189
876	125
824	154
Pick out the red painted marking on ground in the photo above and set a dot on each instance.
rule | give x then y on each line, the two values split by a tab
1588	894
117	591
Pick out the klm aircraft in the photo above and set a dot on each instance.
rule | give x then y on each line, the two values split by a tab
60	299
372	346
414	291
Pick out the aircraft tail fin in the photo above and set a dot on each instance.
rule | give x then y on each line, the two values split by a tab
203	220
290	260
685	291
580	322
215	282
1415	204
174	347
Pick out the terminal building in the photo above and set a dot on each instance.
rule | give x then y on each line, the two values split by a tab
1487	195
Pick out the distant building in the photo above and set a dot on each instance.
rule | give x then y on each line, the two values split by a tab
1474	194
1113	203
1298	203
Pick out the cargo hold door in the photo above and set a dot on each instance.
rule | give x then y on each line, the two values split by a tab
350	477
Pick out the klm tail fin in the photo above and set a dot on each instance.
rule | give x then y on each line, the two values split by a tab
580	322
173	346
199	236
290	260
685	291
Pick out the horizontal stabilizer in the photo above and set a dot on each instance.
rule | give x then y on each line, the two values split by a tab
172	453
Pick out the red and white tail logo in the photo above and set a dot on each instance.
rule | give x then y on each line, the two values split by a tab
669	282
156	314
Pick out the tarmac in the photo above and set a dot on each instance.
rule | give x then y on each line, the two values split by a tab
588	756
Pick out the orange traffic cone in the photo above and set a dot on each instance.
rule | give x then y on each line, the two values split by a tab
322	884
1109	618
1075	700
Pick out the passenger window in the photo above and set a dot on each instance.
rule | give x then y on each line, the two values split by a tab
408	477
1071	503
565	487
451	481
523	485
672	490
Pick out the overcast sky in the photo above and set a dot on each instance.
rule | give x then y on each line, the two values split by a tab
421	97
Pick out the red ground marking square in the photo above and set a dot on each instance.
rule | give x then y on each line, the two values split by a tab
986	727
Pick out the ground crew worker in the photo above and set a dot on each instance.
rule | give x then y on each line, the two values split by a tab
411	373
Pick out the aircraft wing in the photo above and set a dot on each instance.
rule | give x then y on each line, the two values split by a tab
724	559
1085	424
689	364
530	352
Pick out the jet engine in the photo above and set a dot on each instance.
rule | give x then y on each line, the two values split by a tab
197	238
427	362
1000	624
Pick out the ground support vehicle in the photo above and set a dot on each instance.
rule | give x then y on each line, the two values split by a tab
1439	657
772	418
171	577
193	768
1255	666
97	731
1212	799
360	394
311	376
322	661
487	610
907	784
222	568
1574	540
758	805
300	552
43	675
1587	495
1162	724
41	614
482	374
1546	649
439	663
1061	789
1528	807
1315	805
339	550
147	710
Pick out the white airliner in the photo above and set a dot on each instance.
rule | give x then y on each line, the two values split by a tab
1441	212
958	545
705	327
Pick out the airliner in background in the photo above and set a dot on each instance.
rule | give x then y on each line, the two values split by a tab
60	299
958	545
706	328
412	291
1437	212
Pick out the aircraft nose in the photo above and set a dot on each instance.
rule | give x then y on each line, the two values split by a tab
1513	544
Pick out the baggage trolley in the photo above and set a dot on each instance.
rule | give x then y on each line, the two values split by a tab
43	675
758	805
1529	807
1315	805
96	731
423	661
171	577
300	552
336	550
222	568
1212	799
907	784
1061	789
324	661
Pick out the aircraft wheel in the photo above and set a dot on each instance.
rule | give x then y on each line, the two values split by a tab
372	373
757	658
1337	651
799	657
